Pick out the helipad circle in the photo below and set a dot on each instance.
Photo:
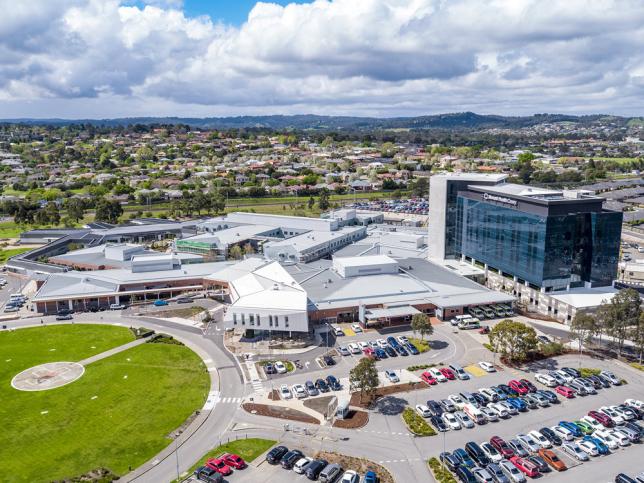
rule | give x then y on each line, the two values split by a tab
47	376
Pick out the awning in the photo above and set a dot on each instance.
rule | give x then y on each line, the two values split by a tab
391	312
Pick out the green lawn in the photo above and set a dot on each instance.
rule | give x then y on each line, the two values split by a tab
8	229
10	252
124	425
248	449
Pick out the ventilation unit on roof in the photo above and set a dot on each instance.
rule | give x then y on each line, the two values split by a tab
276	286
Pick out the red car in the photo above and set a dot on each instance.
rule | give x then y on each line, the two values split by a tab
428	378
604	419
448	373
519	387
502	447
219	466
525	466
369	352
234	460
565	391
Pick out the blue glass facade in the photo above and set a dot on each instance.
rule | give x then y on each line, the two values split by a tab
546	249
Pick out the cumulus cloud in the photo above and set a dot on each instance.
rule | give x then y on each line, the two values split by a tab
384	57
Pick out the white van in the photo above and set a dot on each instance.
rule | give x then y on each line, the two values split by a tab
337	330
474	413
17	296
471	323
460	318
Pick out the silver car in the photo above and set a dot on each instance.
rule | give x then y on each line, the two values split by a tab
464	419
573	449
512	472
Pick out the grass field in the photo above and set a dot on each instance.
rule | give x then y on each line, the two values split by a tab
10	252
248	449
116	416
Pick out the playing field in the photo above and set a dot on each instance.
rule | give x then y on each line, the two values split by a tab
117	415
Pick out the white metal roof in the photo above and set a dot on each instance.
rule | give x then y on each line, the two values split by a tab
581	297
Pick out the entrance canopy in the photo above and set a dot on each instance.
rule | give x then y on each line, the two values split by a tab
391	312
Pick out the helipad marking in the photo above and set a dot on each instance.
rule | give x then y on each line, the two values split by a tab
125	376
7	360
52	350
94	397
44	412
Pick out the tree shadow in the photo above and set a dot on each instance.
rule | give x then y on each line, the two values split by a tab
391	405
438	344
543	364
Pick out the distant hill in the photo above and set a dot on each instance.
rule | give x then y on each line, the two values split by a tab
461	120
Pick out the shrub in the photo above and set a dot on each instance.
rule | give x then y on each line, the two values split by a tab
416	423
589	371
552	349
421	345
488	346
420	367
441	474
639	367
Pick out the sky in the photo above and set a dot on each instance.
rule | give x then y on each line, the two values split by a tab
127	58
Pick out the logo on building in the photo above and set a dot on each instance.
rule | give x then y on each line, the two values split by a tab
499	199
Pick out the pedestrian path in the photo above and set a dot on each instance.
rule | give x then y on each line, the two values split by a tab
111	352
255	380
215	397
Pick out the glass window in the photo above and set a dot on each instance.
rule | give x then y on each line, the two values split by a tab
285	321
277	324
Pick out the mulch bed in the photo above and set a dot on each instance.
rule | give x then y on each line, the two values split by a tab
279	412
274	395
360	465
385	391
354	420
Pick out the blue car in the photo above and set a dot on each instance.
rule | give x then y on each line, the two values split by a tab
572	427
518	403
392	342
502	396
160	303
370	477
601	447
401	350
464	458
550	395
380	353
412	348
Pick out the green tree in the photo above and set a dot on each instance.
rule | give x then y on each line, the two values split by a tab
217	202
582	328
364	377
75	209
637	336
323	201
420	323
420	187
311	203
108	210
621	315
235	252
513	339
248	249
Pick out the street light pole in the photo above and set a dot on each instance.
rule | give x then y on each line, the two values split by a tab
176	452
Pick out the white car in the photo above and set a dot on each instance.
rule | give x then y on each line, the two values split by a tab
499	409
299	391
546	379
382	343
608	411
285	392
456	399
565	376
464	419
512	472
450	421
489	414
356	327
540	438
438	375
606	437
423	410
592	422
573	449
529	443
636	403
620	437
563	433
491	452
557	377
403	339
344	351
626	416
350	476
588	448
280	367
489	394
363	345
611	377
487	367
511	409
392	376
354	348
299	465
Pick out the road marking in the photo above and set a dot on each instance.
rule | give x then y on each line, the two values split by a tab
213	398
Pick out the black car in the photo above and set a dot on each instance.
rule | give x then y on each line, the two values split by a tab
634	427
539	463
275	455
507	390
464	475
571	371
450	461
313	469
321	385
477	454
290	458
203	473
270	368
438	423
622	478
390	351
64	317
596	382
480	399
605	382
328	360
435	408
551	436
550	396
401	350
65	312
333	383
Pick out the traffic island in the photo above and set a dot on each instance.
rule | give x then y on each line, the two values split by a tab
279	412
361	465
365	402
354	420
416	424
440	473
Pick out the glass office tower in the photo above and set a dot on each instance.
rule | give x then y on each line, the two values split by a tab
549	241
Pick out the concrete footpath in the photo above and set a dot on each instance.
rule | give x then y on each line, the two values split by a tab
113	351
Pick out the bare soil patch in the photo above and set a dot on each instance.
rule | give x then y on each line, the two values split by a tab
360	465
274	395
279	412
384	391
354	420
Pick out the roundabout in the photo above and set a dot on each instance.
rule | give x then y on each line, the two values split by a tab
50	375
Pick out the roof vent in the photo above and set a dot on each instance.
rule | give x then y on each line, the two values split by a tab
276	286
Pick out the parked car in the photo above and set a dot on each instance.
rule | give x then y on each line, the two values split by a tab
314	468
208	475
160	303
546	379
477	454
64	317
329	360
518	448
423	410
449	460
518	387
603	418
448	373
290	458
321	385
552	459
435	408
605	436
512	472
234	461
464	419
438	423
117	306
301	464
285	392
299	391
333	383
330	473
482	475
491	452
611	377
564	433
550	435
574	450
487	366
540	439
280	367
275	455
448	405
572	427
450	420
311	389
464	458
438	375
539	463
565	391
501	446
428	378
350	476
611	413
343	350
528	443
